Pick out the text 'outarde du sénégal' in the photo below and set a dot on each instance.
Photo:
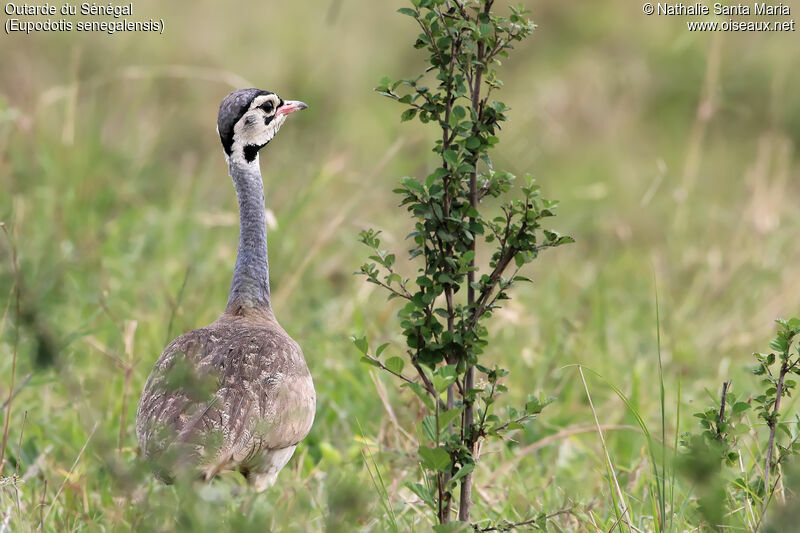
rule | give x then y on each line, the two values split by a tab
115	16
84	9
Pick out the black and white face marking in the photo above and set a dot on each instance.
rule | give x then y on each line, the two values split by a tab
257	126
249	119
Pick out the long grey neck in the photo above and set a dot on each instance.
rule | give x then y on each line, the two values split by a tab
250	287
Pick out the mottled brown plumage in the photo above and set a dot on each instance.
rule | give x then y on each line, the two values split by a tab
236	394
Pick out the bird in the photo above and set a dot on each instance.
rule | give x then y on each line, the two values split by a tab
236	394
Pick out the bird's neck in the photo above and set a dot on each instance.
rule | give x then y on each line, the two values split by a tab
250	287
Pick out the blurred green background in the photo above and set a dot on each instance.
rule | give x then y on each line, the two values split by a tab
674	155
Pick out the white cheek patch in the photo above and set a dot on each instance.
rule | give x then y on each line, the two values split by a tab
251	134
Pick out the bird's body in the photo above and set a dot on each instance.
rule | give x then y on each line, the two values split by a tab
236	394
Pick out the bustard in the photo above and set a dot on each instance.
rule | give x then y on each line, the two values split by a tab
237	394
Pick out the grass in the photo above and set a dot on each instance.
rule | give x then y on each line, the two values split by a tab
670	152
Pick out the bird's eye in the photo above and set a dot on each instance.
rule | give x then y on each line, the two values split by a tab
268	107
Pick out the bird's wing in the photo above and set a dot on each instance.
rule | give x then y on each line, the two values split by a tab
228	393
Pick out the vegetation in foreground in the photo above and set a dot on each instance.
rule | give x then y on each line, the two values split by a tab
447	306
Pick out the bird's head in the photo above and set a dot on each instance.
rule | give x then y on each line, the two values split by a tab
249	119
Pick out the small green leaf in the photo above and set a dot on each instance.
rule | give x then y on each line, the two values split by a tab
463	471
436	459
441	383
443	377
408	114
407	11
361	344
740	407
472	143
423	493
381	348
384	83
779	344
536	405
428	425
394	364
445	417
422	394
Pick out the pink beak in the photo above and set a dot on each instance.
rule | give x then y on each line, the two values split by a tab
290	106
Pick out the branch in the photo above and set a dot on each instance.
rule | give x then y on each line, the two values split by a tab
428	385
384	367
519	420
770	494
482	423
721	415
426	382
374	279
469	376
508	526
483	302
429	100
432	41
772	423
391	289
402	283
11	389
13	395
394	96
455	50
460	7
494	277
